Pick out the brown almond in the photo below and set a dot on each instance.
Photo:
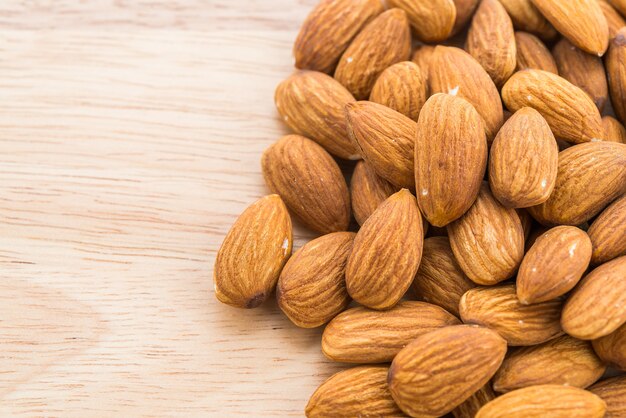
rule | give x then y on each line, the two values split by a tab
361	335
401	87
328	30
309	181
383	42
612	348
597	306
613	392
532	53
311	289
431	20
608	233
553	265
464	11
312	104
253	253
616	71
450	158
498	308
470	407
614	131
422	56
395	230
386	140
368	190
613	18
424	376
526	17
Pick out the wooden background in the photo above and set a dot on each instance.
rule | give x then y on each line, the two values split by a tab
130	138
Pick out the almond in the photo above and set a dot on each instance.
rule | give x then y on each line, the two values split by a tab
526	17
541	401
360	391
424	377
361	335
450	158
383	42
464	11
311	289
422	56
498	308
613	392
386	140
491	41
470	407
312	104
455	72
431	20
608	233
328	30
439	279
488	241
401	87
309	181
597	306
253	253
580	21
553	265
523	160
612	348
569	111
616	71
613	18
619	5
614	131
532	53
562	361
589	177
368	190
395	231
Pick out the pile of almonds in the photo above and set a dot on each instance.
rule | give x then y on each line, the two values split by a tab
488	274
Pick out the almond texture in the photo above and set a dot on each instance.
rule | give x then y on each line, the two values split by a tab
431	20
472	405
368	190
616	71
422	56
613	18
614	131
613	392
401	87
608	233
532	53
612	348
464	11
526	17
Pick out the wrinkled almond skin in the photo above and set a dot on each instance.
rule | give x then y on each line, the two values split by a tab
612	348
613	392
309	181
614	131
383	42
590	176
422	56
470	407
597	306
312	104
454	71
561	361
521	325
253	253
553	265
580	21
424	376
616	70
361	335
523	160
450	158
431	20
582	70
386	140
608	233
620	5
360	391
526	17
386	253
401	87
488	241
532	53
527	222
311	288
569	111
439	279
328	30
542	401
368	190
491	41
613	18
464	11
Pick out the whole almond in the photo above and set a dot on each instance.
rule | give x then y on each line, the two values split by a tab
491	40
613	18
472	405
464	11
541	401
395	230
553	265
311	289
562	361
580	21
498	308
360	391
526	17
328	30
532	53
488	241
612	348
309	181
431	20
614	131
422	56
616	71
424	378
597	306
454	71
613	392
450	158
386	140
401	87
368	190
608	233
312	104
589	177
569	111
383	42
439	279
361	335
253	253
523	160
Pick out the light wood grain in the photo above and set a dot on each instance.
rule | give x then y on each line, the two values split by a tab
130	137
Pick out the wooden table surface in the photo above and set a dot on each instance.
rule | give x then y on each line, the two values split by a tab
130	138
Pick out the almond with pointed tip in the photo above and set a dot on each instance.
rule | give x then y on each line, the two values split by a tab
368	190
616	72
612	348
253	253
613	392
401	87
614	131
526	17
472	405
532	53
608	233
613	18
431	20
